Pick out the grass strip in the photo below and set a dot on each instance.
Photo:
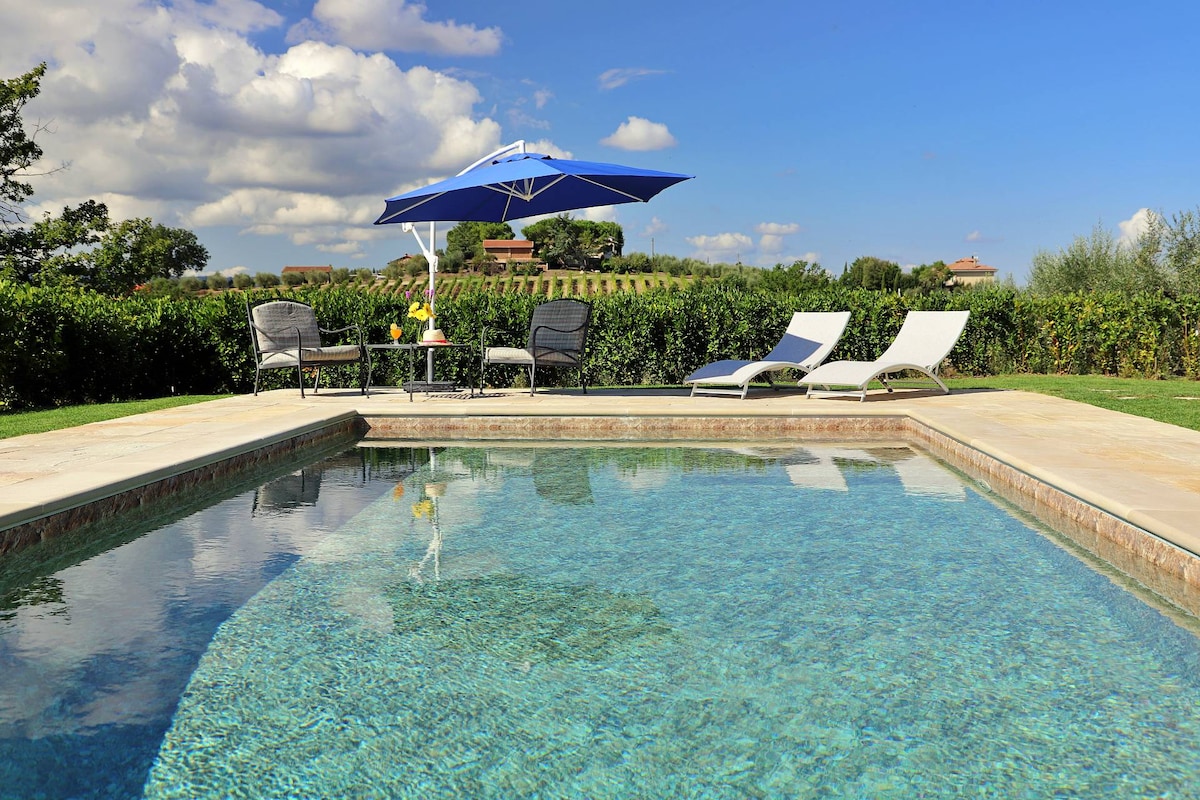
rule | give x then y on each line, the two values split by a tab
19	423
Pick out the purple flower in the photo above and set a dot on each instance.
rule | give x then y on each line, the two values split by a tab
429	293
408	294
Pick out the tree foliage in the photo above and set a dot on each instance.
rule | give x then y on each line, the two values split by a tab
1099	262
136	250
18	150
467	238
53	249
81	245
568	243
869	272
800	276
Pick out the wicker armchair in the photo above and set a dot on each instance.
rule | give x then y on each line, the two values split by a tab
557	336
285	335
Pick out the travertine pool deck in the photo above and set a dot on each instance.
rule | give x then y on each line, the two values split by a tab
1133	474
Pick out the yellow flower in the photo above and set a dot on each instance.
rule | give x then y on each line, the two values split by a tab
421	311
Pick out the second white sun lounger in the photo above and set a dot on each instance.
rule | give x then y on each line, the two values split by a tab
924	341
809	339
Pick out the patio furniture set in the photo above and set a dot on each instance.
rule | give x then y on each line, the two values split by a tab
285	335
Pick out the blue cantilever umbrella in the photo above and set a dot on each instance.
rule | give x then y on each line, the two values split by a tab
512	184
526	185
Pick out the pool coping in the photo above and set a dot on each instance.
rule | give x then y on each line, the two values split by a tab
1158	554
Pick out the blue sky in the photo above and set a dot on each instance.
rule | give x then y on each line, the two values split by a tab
911	131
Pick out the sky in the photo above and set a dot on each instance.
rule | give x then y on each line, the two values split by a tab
824	131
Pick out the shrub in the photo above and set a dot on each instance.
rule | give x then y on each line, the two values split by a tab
73	346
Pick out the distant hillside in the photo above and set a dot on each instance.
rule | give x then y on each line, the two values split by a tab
569	283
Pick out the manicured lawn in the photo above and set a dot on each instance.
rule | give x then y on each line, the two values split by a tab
20	423
1176	402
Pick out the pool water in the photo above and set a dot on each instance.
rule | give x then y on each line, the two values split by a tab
803	621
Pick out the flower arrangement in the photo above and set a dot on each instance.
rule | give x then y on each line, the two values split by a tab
420	311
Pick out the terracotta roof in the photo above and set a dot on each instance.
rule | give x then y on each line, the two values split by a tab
507	244
970	264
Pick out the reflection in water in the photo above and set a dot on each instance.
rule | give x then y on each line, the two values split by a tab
288	492
825	469
100	629
561	476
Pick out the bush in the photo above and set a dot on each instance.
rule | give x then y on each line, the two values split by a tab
266	280
242	281
73	346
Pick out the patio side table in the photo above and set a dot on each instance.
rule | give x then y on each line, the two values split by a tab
412	385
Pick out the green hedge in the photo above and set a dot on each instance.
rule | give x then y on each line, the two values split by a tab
65	346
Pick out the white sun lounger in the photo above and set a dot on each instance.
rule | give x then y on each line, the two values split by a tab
924	341
809	339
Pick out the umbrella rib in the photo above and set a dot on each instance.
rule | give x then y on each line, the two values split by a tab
406	209
632	197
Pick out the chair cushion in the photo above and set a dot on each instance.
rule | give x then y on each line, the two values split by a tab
507	355
279	360
337	354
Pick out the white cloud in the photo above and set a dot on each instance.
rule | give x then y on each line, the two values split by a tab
656	226
1135	226
974	236
599	213
776	228
172	112
614	78
541	97
393	25
721	246
640	134
770	242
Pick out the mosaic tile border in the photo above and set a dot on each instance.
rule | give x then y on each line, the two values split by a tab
146	500
1160	566
1165	569
623	428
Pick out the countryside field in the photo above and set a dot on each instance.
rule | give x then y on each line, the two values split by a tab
557	283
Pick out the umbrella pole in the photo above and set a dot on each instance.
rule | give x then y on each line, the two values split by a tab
430	256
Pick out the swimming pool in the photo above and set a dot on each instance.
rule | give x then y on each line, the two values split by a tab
777	621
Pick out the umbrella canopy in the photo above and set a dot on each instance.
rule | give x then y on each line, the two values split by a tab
525	185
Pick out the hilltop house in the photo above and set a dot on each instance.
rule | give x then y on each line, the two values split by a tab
506	250
968	271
